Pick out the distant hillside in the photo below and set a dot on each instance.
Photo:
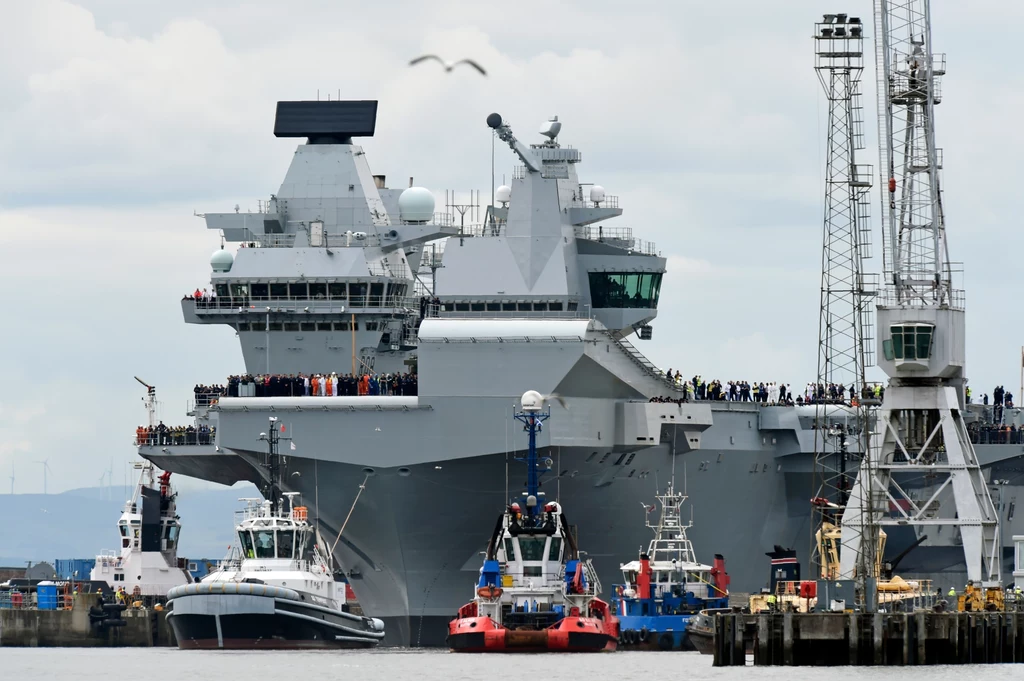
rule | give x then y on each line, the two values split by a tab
81	523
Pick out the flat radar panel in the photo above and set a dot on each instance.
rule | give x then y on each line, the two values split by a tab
340	119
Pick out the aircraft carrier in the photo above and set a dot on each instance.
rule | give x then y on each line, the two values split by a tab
338	272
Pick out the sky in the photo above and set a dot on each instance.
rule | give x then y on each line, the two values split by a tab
122	118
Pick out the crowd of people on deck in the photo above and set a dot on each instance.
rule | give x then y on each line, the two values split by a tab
161	434
768	393
321	385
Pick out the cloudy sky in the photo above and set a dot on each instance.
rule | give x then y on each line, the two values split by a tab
119	118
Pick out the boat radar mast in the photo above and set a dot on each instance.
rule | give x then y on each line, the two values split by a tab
272	488
920	425
533	418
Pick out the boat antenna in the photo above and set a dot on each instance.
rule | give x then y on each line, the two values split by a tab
272	490
532	417
362	486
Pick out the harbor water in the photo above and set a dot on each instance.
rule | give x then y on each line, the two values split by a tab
155	664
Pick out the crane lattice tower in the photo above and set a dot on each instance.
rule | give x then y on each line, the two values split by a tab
920	430
846	320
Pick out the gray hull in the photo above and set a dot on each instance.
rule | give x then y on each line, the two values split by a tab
412	546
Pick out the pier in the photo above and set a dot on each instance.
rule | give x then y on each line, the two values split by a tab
851	638
82	624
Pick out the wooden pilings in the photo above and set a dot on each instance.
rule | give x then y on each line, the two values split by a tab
818	639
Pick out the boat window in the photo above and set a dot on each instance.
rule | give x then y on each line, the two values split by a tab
532	548
299	291
240	290
676	577
476	307
629	290
260	291
338	291
510	553
222	290
285	541
323	326
264	543
376	294
318	290
245	539
555	552
308	326
243	326
275	326
533	571
540	307
357	294
124	529
494	307
508	307
555	307
291	326
171	536
278	291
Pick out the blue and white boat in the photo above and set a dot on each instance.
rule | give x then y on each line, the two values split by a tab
666	586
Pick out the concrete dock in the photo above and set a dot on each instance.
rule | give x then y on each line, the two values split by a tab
79	626
829	639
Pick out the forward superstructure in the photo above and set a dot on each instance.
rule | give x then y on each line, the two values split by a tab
338	274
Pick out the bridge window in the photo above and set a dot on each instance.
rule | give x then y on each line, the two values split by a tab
323	326
337	291
555	552
275	326
357	294
476	307
494	307
532	548
376	294
278	291
909	341
318	290
222	290
555	307
510	553
264	540
260	290
291	326
620	289
245	540
299	291
285	542
240	290
308	326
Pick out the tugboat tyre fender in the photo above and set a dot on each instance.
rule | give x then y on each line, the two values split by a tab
643	635
666	641
630	636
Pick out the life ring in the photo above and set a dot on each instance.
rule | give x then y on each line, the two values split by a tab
489	592
643	635
666	641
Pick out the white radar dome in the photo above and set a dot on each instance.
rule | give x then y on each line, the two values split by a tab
503	194
597	193
416	204
221	261
532	401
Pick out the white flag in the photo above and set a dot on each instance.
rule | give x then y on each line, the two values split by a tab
293	446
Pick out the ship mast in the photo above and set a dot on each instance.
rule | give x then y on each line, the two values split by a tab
532	417
845	320
271	489
920	427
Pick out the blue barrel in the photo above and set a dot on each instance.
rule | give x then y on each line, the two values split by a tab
46	596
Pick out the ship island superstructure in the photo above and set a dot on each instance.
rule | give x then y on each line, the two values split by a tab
338	273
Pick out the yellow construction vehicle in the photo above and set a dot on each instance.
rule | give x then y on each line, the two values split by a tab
976	598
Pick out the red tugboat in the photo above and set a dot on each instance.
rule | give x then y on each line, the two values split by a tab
535	593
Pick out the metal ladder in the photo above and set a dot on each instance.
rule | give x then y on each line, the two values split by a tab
645	364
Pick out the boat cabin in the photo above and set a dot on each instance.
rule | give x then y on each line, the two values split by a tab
265	535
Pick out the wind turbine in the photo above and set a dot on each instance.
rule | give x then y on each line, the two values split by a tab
46	468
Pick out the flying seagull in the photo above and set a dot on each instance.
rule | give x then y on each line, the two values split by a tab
447	66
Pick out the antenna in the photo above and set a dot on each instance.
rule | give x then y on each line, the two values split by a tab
472	207
272	490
